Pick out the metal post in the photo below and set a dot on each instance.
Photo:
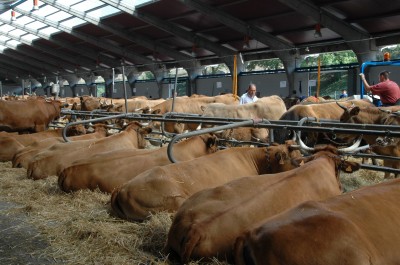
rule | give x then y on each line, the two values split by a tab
125	94
113	83
23	88
174	90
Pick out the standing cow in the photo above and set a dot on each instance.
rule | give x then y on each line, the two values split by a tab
329	110
31	115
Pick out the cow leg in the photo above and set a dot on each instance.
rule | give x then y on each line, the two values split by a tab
388	163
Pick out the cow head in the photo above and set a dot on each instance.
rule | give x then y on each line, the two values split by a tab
334	154
211	142
78	129
279	156
141	132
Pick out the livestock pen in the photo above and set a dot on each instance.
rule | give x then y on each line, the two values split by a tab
54	227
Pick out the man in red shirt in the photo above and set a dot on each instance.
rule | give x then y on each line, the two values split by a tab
387	90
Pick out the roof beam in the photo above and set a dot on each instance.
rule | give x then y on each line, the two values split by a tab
39	56
124	53
307	8
9	60
358	40
12	72
65	44
29	61
239	25
173	29
134	37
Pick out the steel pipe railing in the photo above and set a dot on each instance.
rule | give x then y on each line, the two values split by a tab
204	131
64	134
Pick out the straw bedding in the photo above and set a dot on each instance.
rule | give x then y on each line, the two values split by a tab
47	226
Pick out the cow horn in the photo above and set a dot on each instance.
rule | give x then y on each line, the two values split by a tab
351	148
304	147
341	106
385	110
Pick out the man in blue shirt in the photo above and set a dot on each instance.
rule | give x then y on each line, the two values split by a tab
344	94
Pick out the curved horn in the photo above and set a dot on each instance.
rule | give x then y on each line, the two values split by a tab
341	106
304	147
395	113
351	148
385	110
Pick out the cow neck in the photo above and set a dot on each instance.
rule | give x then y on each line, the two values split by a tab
338	162
55	108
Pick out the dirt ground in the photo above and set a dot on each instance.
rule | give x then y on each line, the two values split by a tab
20	241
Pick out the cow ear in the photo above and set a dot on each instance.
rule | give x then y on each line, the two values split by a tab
145	130
202	108
211	141
349	167
354	111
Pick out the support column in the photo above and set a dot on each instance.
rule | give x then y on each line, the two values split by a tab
160	73
289	63
195	70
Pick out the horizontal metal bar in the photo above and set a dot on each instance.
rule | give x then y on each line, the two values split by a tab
380	168
377	156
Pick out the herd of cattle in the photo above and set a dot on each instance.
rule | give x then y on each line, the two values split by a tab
280	204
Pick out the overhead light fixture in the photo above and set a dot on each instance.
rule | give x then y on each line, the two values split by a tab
13	18
246	42
35	5
317	33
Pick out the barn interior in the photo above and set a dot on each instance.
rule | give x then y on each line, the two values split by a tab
83	45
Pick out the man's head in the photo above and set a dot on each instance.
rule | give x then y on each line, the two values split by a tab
384	75
251	90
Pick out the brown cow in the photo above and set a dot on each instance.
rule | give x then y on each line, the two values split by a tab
109	170
166	188
134	104
192	105
248	134
208	222
23	156
373	115
360	227
330	110
11	143
59	156
89	103
31	115
271	108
